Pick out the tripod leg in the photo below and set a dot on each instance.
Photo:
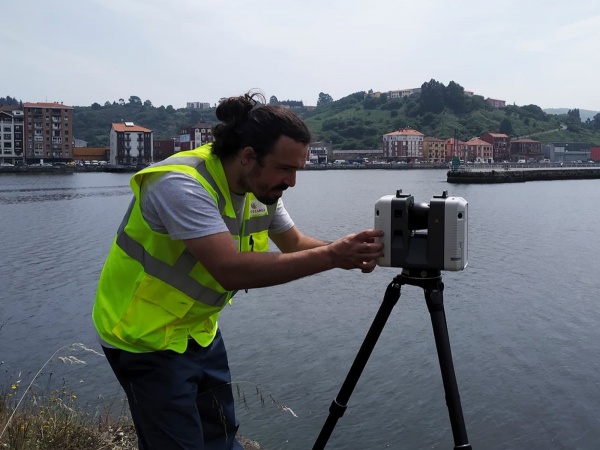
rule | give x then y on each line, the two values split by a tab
435	304
338	406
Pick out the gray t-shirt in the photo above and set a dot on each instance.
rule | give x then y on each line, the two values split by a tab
175	203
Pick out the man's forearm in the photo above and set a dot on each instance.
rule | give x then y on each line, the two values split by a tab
256	270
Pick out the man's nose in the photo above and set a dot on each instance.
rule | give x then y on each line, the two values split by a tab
290	179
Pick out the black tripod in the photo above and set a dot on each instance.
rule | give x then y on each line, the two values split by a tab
431	282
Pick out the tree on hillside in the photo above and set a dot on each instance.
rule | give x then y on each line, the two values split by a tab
475	103
96	105
506	126
574	116
273	100
454	98
432	97
534	111
148	103
135	100
596	122
324	99
121	101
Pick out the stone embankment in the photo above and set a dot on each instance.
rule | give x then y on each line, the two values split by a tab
520	176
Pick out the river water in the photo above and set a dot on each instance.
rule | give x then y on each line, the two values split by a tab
523	318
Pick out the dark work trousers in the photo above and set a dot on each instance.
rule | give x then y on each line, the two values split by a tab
179	401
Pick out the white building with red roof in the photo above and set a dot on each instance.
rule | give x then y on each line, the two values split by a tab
130	144
404	145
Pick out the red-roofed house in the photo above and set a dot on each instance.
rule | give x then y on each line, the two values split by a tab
480	150
403	145
130	144
456	147
495	103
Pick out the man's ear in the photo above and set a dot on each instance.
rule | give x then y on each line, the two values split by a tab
247	155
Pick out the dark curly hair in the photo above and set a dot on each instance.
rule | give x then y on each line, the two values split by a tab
247	122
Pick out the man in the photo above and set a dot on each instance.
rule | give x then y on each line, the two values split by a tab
197	231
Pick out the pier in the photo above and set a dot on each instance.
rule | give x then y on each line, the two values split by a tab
520	175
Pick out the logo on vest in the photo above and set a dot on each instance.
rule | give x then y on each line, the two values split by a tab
257	208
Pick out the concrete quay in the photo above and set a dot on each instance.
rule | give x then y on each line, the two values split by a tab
510	175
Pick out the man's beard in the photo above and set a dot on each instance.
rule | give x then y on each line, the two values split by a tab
261	191
267	199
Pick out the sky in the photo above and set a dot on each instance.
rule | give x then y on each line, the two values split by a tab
542	52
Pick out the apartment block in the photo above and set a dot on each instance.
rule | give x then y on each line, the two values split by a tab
433	150
525	149
500	145
130	144
405	145
49	132
197	105
480	151
195	136
11	134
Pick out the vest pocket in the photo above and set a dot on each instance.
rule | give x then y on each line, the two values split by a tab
260	241
149	320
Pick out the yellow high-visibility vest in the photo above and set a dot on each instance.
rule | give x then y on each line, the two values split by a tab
152	293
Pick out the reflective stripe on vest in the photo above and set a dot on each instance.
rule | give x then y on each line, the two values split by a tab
171	274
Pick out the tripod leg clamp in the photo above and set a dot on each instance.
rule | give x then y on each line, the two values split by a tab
336	409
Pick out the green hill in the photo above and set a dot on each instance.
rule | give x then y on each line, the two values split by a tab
359	120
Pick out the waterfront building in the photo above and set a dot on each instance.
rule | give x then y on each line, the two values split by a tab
500	145
567	151
91	154
480	151
163	148
11	134
526	149
434	150
404	145
49	132
130	144
456	147
319	152
195	136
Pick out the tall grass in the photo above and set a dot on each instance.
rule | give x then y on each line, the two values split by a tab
30	419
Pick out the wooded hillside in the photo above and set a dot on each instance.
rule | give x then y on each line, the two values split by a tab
359	120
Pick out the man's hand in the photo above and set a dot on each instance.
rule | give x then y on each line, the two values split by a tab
357	251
